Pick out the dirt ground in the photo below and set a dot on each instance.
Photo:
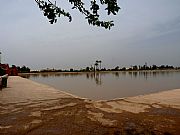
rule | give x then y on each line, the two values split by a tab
68	115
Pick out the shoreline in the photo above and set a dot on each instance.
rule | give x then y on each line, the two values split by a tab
28	107
100	93
78	72
168	91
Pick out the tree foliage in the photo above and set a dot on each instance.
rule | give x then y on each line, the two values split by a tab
23	69
52	11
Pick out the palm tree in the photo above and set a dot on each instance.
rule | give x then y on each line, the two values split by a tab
100	64
96	65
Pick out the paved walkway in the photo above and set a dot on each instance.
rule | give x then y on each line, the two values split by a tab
27	107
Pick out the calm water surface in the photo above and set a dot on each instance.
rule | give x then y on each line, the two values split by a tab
110	85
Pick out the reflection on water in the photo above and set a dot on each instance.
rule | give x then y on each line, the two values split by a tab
109	85
97	76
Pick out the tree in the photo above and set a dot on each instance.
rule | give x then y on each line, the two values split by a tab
23	69
71	70
116	68
123	69
100	64
96	66
52	11
135	67
87	69
154	67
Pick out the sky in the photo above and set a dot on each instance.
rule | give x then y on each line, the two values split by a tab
144	31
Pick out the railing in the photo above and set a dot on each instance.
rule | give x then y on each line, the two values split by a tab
3	81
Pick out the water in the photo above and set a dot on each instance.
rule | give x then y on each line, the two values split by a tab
110	85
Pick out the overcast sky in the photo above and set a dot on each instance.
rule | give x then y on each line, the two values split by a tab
145	31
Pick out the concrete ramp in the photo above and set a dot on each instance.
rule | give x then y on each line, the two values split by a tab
23	90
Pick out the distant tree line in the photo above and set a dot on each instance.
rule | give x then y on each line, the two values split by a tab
96	67
49	70
23	69
132	68
145	67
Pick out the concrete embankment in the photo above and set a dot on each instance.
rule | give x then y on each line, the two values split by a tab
27	107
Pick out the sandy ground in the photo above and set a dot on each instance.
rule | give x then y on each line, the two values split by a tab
30	108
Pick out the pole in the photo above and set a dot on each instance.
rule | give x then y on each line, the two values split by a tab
0	57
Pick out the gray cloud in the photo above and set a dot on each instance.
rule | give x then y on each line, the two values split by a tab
145	31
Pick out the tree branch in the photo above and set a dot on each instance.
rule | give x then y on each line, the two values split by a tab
51	11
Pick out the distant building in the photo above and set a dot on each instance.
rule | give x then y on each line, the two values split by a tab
13	71
6	68
9	70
